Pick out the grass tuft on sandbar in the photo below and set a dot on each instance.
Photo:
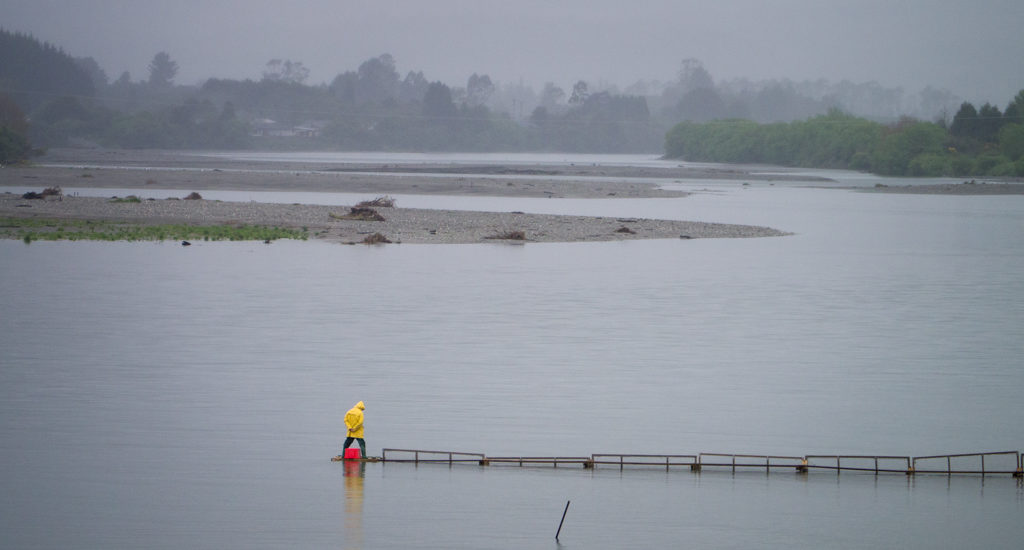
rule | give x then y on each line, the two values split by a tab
39	229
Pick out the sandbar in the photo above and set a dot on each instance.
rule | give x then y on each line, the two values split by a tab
153	171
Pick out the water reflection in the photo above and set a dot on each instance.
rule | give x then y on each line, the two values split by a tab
355	474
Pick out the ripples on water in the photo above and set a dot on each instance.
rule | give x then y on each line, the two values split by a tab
159	396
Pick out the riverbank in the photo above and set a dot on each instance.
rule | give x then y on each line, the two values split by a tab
971	187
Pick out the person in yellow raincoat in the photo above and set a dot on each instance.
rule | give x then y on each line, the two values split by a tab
354	422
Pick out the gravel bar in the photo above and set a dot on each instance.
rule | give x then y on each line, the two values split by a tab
400	225
152	170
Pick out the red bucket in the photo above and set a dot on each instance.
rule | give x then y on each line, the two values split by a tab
352	453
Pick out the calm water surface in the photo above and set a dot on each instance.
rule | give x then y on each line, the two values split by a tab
155	396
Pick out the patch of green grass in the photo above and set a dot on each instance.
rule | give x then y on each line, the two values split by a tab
36	229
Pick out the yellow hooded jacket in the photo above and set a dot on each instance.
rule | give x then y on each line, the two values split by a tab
354	420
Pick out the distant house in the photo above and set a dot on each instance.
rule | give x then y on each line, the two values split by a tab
306	131
265	127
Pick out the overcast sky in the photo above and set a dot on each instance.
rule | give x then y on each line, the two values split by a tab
974	48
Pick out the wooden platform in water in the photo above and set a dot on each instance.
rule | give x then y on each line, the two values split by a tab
339	458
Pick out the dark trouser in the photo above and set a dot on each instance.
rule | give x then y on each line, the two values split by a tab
362	445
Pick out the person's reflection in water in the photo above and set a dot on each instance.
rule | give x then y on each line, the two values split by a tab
355	473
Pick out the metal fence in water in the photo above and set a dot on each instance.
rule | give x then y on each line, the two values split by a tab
984	464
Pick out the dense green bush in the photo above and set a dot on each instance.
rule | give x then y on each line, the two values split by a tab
14	147
14	144
962	165
1011	140
986	162
1003	170
929	165
905	142
836	140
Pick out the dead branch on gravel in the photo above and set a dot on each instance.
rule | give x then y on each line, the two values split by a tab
360	213
379	202
376	238
509	236
48	192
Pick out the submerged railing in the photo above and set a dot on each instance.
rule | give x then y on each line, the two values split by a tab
748	461
1015	455
554	461
998	463
644	460
439	456
863	463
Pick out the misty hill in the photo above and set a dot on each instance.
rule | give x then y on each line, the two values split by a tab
34	72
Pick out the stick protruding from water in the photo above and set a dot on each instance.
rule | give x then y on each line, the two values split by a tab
563	519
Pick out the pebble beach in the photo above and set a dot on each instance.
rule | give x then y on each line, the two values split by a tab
400	225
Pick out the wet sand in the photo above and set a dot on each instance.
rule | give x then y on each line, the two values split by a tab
181	170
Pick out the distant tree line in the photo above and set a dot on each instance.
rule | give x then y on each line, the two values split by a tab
59	100
375	108
371	108
983	142
31	74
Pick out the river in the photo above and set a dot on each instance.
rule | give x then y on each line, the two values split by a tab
159	396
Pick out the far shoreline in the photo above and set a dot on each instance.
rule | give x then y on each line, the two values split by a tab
971	187
158	169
